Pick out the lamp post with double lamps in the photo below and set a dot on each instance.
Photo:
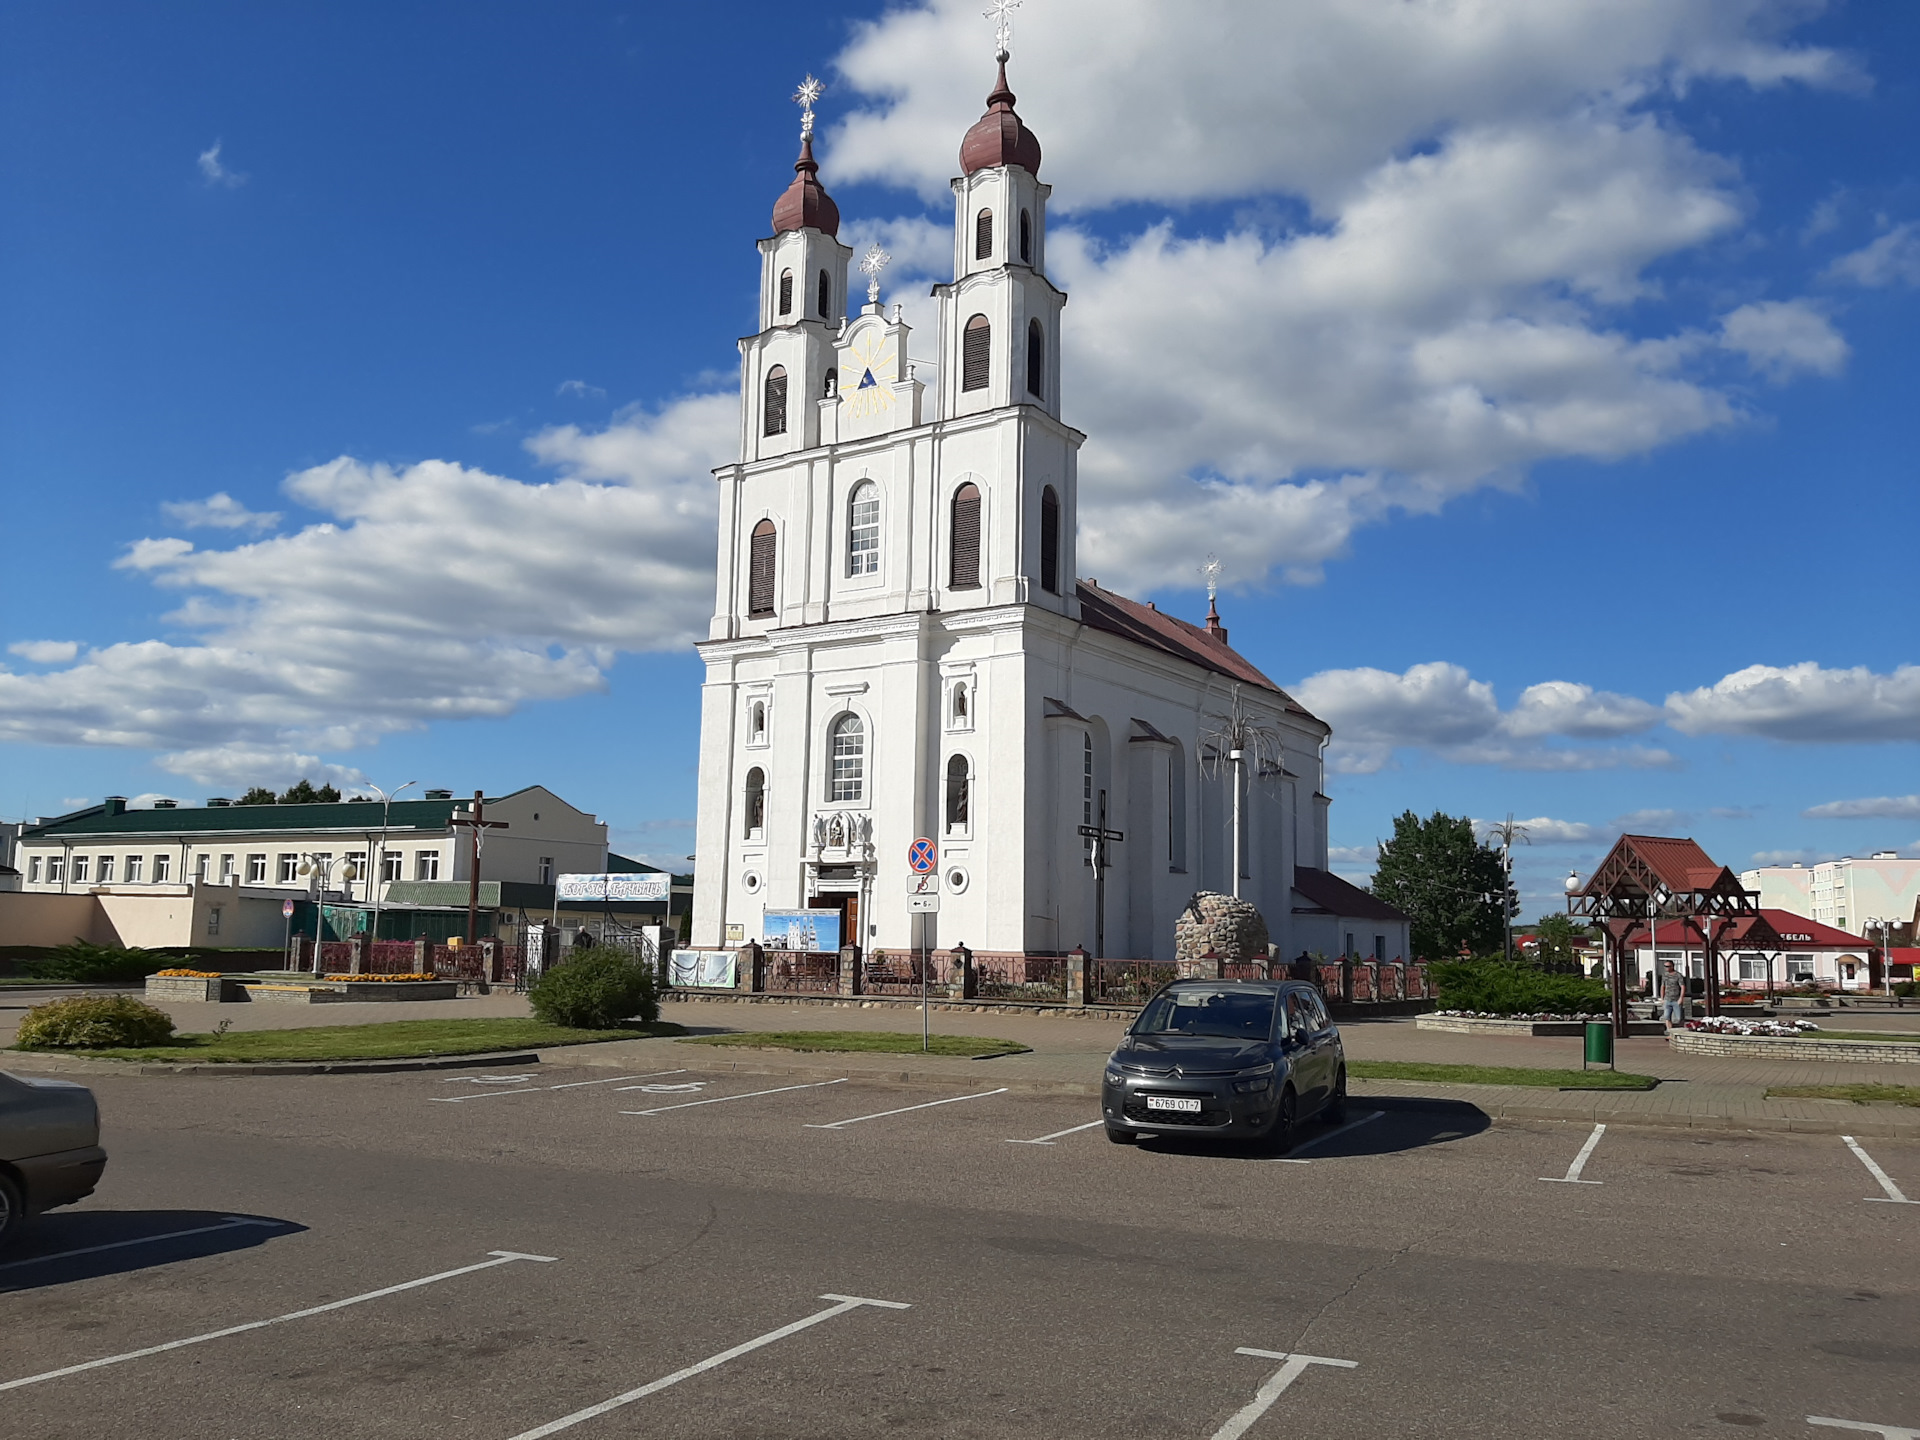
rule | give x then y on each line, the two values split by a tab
318	870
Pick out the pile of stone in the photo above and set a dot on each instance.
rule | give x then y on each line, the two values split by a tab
1232	929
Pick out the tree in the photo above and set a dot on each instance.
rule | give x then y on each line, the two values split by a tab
303	793
1555	939
258	795
1453	888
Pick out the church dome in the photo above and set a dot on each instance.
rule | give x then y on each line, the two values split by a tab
806	205
1000	137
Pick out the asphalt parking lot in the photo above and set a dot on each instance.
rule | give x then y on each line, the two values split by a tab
549	1251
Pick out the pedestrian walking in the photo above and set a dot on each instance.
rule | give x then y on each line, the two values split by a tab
1673	997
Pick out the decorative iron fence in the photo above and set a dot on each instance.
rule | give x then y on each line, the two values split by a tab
1244	970
1038	979
803	972
1126	982
392	957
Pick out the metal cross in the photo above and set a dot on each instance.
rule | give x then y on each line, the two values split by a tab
872	263
1211	570
1002	16
809	91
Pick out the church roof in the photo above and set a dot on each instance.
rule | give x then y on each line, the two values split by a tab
1326	891
1000	137
806	205
1144	625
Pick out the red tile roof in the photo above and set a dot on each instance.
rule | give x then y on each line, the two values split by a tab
1117	615
1341	897
1791	928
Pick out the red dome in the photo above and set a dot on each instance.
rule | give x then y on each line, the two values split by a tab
1000	137
805	205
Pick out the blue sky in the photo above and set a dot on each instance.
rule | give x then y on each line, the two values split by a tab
1536	374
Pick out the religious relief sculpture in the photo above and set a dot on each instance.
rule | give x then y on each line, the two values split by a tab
843	830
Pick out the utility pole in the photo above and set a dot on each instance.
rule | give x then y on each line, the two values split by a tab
474	820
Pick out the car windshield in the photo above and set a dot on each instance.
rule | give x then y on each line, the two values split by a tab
1230	1014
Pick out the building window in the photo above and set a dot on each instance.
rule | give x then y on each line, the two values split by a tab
760	558
976	343
775	409
1350	951
963	568
1752	967
226	868
756	803
289	869
162	869
786	292
1799	969
983	235
1049	541
133	869
391	865
757	723
256	869
201	864
426	865
358	860
1380	948
103	867
56	869
79	869
546	870
213	921
863	530
33	871
825	296
849	758
1026	238
959	797
1036	360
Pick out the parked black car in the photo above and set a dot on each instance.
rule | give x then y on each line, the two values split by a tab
49	1147
1226	1059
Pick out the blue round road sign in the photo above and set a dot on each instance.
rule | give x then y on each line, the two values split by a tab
922	856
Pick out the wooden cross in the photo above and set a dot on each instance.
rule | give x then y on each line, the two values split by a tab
475	822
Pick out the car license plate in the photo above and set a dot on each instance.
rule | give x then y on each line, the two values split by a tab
1174	1102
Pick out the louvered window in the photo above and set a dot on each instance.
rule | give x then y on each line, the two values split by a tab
1026	238
975	344
863	530
1036	360
824	295
1049	541
963	572
776	406
786	292
983	235
760	563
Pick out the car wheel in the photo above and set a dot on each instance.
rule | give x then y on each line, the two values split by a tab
1120	1135
1335	1112
12	1207
1281	1135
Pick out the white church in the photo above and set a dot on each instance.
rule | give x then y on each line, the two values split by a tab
900	648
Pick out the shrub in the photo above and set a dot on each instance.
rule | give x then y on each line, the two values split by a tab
596	989
93	1022
1906	989
1497	988
83	963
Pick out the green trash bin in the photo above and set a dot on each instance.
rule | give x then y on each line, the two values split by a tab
1599	1044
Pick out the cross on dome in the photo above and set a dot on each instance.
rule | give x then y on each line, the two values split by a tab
1002	16
871	264
810	90
806	205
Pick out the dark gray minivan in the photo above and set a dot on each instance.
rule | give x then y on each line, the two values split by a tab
1226	1059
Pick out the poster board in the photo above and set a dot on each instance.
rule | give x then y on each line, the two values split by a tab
817	930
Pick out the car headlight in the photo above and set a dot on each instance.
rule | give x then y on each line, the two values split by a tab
1252	1082
1114	1075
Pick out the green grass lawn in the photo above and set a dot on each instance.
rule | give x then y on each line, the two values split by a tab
867	1042
1499	1075
1859	1094
394	1040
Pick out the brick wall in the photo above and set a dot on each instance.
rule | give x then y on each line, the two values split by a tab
1778	1047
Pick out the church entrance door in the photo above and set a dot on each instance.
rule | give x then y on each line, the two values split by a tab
848	904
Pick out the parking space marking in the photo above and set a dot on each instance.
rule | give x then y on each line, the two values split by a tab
749	1095
570	1085
500	1257
519	1079
1572	1177
1264	1397
882	1114
1327	1135
1049	1139
1893	1195
1890	1432
841	1306
231	1222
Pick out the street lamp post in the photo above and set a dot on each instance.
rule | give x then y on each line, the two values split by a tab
320	868
376	874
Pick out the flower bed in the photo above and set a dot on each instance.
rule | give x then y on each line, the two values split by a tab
378	979
1721	1025
188	974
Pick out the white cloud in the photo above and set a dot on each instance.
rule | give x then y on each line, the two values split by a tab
1544	830
1892	259
1783	338
1879	807
1643	821
215	173
1353	856
1791	857
239	767
1562	707
1804	702
580	389
219	511
45	652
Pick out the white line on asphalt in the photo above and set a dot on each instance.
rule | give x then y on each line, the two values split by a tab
1889	1432
490	1079
717	1099
570	1085
232	1222
1327	1135
1049	1139
1264	1397
501	1257
843	1303
881	1115
1893	1195
1572	1177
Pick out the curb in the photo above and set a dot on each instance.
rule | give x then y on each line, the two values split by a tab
55	1065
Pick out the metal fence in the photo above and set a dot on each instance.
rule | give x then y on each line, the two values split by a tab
1037	979
1126	982
803	972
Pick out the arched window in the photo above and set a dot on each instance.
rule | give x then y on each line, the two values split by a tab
756	803
757	723
848	758
963	569
960	704
959	798
863	529
983	235
1026	238
824	298
786	292
1050	542
760	558
976	341
1036	360
776	401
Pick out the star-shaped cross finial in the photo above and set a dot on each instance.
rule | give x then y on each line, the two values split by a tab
810	90
1002	16
1211	570
872	263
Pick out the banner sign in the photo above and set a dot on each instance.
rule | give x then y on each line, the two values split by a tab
708	969
642	886
801	930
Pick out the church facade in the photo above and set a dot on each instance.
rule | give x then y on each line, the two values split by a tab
900	647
